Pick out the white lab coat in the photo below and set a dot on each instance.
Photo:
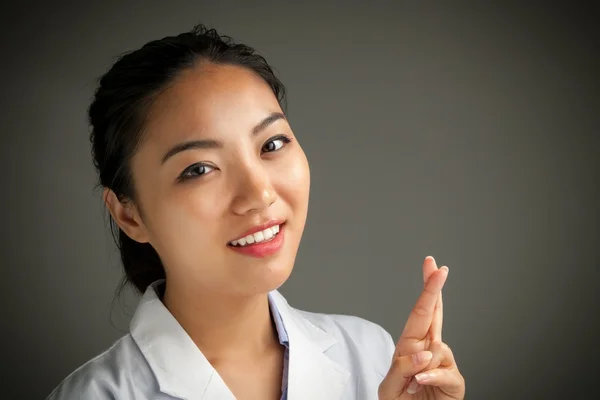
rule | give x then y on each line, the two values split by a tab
332	357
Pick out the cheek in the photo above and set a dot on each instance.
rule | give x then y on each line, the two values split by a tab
185	218
294	180
193	210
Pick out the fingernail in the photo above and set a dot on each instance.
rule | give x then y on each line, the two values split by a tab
422	357
423	377
412	387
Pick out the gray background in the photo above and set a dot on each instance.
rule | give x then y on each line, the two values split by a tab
462	130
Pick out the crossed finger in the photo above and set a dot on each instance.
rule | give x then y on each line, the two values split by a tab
421	317
435	330
429	268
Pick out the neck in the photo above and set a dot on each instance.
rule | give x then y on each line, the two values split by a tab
223	326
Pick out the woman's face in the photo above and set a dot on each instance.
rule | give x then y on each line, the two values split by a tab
218	161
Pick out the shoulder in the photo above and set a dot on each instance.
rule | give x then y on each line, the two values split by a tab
107	375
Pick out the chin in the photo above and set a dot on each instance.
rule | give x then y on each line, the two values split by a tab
258	275
266	280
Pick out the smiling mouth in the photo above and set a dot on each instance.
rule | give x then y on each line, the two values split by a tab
264	236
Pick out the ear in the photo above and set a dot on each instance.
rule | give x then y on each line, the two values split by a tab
127	216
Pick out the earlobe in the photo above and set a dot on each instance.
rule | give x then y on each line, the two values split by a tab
126	216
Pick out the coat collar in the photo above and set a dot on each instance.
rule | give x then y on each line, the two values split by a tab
311	373
182	371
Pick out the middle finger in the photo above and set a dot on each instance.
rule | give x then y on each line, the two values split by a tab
429	268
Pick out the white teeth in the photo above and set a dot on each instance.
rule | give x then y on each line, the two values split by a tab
257	237
268	233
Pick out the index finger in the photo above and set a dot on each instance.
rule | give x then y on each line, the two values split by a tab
421	316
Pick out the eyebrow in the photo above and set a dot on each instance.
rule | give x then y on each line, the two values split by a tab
215	144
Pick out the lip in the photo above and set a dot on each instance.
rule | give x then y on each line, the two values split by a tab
259	228
263	249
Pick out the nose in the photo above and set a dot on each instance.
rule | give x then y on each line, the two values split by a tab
255	192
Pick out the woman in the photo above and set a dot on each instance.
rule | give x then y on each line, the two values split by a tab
209	189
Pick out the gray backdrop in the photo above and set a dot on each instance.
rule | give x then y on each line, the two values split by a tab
465	131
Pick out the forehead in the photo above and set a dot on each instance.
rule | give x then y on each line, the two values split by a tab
209	100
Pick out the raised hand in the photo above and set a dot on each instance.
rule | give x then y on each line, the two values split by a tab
423	366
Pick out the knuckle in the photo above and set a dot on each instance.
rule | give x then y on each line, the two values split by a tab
445	348
437	345
402	365
431	290
440	347
420	310
397	363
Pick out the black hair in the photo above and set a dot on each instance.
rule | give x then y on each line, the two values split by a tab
118	113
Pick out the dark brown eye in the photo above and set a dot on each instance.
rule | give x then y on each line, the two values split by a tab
195	171
275	144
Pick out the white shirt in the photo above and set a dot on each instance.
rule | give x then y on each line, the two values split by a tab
331	357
